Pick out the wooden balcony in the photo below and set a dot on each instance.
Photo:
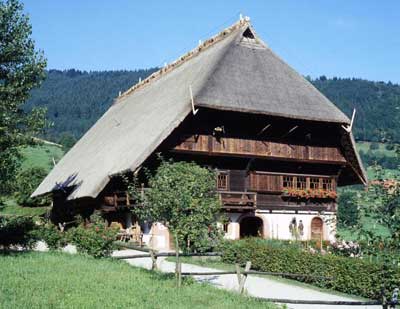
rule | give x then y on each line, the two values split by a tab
238	201
118	199
209	145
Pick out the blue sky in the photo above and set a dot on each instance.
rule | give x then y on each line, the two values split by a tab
335	38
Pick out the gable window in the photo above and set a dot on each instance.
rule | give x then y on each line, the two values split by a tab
314	183
223	181
301	183
287	182
327	184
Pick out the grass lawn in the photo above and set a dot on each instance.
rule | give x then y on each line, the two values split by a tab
41	156
57	280
10	207
370	225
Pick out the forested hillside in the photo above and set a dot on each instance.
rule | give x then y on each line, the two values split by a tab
377	105
76	99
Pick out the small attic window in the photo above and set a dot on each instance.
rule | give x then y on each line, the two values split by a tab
248	34
249	40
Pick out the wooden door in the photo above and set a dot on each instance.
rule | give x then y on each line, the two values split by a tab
317	230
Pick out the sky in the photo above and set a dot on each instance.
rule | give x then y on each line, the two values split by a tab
334	38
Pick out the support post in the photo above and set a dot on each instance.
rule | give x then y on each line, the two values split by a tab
153	260
178	265
239	276
244	277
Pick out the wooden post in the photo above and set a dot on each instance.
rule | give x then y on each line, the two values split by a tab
153	260
179	274
178	266
244	277
239	277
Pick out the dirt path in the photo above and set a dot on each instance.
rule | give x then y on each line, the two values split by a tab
255	286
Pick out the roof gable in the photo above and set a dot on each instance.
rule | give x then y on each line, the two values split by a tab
251	78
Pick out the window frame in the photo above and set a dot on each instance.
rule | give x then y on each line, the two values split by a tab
224	174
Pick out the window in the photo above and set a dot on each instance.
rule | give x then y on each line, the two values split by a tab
222	181
327	184
287	182
226	226
301	183
314	183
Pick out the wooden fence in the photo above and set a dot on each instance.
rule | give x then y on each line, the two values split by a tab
242	277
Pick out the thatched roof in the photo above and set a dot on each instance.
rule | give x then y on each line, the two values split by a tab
233	70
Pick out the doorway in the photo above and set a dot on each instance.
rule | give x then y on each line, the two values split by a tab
251	227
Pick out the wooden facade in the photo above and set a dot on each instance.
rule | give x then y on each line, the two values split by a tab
211	145
257	171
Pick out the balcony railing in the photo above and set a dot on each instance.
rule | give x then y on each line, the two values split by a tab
238	200
119	199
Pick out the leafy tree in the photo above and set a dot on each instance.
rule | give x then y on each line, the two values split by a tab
347	214
26	182
182	196
67	140
21	69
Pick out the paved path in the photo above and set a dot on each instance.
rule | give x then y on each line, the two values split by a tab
255	286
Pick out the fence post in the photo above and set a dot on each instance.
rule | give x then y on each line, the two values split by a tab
239	276
153	260
244	277
179	274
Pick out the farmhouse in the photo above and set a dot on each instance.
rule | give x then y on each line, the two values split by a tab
280	148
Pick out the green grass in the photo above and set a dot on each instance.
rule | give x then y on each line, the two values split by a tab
56	280
10	207
41	156
369	224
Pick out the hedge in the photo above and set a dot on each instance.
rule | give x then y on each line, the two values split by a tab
349	275
17	231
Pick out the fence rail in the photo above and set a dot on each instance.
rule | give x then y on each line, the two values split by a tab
242	276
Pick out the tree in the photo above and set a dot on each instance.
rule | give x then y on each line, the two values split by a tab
67	140
21	69
26	182
347	215
183	197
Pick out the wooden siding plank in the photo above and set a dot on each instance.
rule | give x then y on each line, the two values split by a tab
264	149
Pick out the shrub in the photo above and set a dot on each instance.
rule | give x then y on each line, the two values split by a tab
349	275
27	181
52	236
95	239
17	231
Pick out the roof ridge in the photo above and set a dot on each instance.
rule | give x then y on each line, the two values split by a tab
189	55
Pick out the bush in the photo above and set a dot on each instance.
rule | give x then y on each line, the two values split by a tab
17	231
349	275
52	236
95	239
27	181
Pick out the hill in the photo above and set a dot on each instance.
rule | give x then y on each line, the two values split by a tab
377	105
76	99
